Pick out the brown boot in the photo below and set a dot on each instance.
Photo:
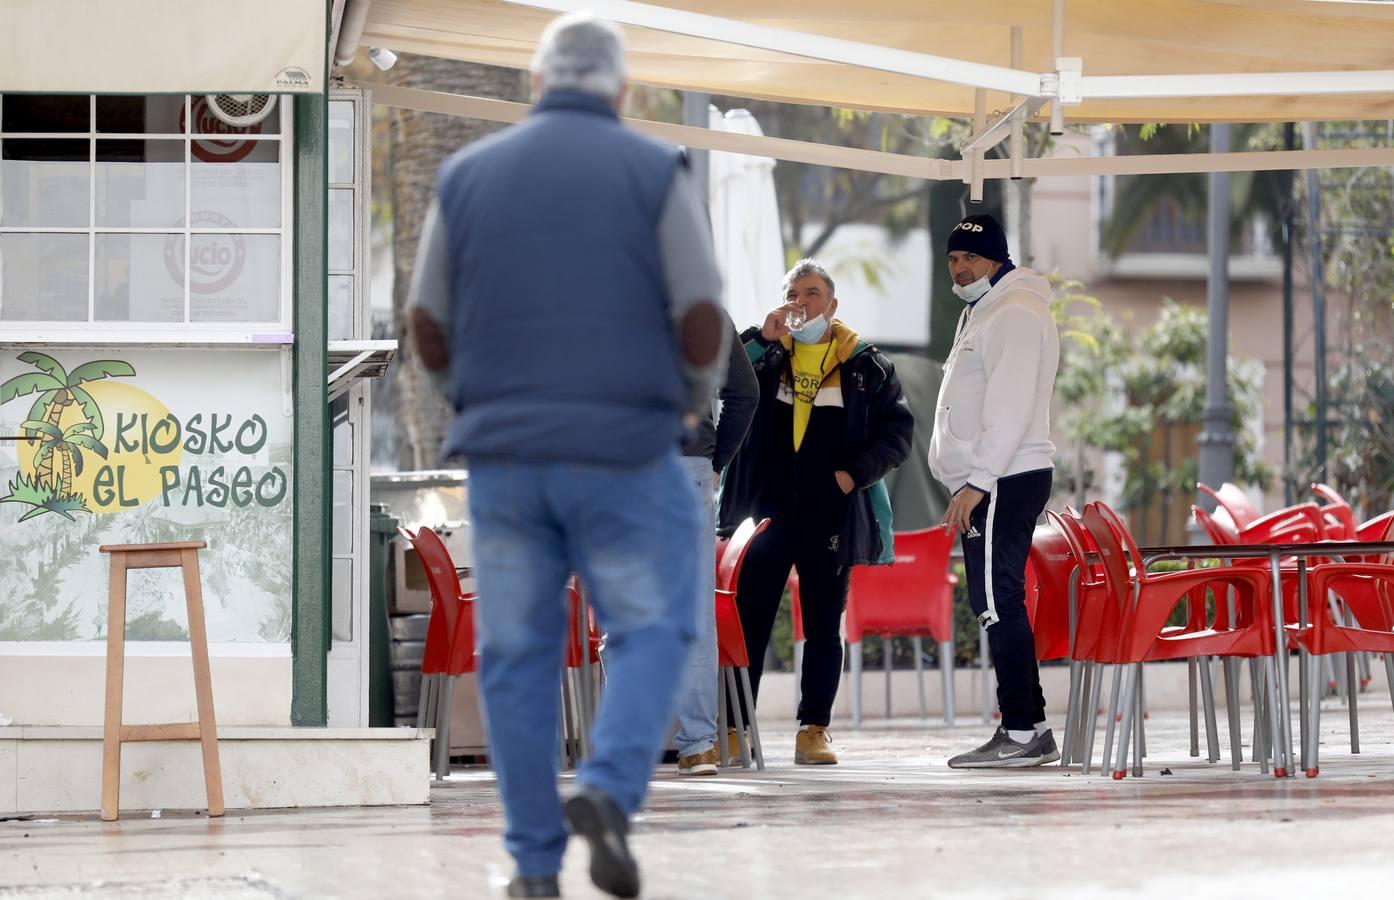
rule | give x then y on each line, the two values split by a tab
733	747
703	763
813	747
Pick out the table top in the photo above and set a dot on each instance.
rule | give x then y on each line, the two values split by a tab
1261	551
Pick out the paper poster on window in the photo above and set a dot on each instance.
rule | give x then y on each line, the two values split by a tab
126	446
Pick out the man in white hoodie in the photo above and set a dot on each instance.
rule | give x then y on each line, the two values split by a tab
991	448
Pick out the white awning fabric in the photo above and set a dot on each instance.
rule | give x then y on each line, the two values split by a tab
1142	60
162	46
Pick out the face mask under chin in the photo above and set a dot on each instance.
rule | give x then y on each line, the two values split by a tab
812	331
971	293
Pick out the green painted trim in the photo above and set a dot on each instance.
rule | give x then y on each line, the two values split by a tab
310	580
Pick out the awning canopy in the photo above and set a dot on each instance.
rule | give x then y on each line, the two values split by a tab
1259	60
350	361
162	46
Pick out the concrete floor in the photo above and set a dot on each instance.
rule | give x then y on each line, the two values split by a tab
890	821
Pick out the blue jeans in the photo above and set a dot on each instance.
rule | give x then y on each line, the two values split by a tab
631	534
697	698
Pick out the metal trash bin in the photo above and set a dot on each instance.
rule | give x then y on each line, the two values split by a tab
382	530
408	646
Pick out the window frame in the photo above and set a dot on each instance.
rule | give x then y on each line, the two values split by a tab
274	332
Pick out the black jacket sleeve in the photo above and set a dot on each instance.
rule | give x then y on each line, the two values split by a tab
890	427
739	398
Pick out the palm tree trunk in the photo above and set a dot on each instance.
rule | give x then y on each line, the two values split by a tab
54	412
419	143
66	485
44	471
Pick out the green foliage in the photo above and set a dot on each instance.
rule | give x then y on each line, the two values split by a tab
1121	389
1357	241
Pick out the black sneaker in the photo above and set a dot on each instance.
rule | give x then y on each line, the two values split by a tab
594	816
534	886
1004	753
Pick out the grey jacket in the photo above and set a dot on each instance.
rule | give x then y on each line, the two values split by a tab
718	440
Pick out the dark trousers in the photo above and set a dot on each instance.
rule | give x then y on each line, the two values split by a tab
822	593
994	555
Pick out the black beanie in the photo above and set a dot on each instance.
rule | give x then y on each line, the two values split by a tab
981	235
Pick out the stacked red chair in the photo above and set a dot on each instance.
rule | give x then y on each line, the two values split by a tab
1295	524
733	659
1362	621
1337	515
1144	602
1053	573
450	645
583	676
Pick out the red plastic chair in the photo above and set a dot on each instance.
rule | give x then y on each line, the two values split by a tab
1373	530
1049	604
1337	514
450	645
581	681
1376	528
1145	602
1053	577
1362	623
733	659
914	597
573	632
1300	523
1095	622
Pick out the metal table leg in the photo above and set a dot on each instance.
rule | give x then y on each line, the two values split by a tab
1280	716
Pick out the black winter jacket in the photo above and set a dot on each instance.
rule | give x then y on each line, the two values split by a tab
879	430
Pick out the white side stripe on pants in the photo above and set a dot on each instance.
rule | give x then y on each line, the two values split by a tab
990	616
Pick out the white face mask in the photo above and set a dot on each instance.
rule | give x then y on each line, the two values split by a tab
971	293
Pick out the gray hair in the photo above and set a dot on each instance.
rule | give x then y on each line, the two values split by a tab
581	52
808	266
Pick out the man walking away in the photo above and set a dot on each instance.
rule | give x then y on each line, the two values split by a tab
991	448
567	282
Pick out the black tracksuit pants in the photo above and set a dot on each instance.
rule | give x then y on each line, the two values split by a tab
789	542
995	550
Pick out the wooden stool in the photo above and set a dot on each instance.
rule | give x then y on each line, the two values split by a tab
183	556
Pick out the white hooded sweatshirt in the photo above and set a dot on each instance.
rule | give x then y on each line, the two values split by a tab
993	415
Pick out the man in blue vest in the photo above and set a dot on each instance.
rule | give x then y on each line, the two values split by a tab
567	283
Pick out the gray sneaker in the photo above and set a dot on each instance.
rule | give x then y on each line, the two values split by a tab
1046	742
1004	753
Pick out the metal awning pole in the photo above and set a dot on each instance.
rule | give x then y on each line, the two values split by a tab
1057	44
1318	276
975	157
1289	483
1217	438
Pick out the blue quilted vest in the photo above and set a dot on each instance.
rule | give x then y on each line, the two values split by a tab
562	347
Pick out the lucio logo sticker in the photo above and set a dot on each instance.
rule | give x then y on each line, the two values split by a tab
217	259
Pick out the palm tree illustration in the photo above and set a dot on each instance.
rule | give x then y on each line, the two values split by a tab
59	389
59	459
